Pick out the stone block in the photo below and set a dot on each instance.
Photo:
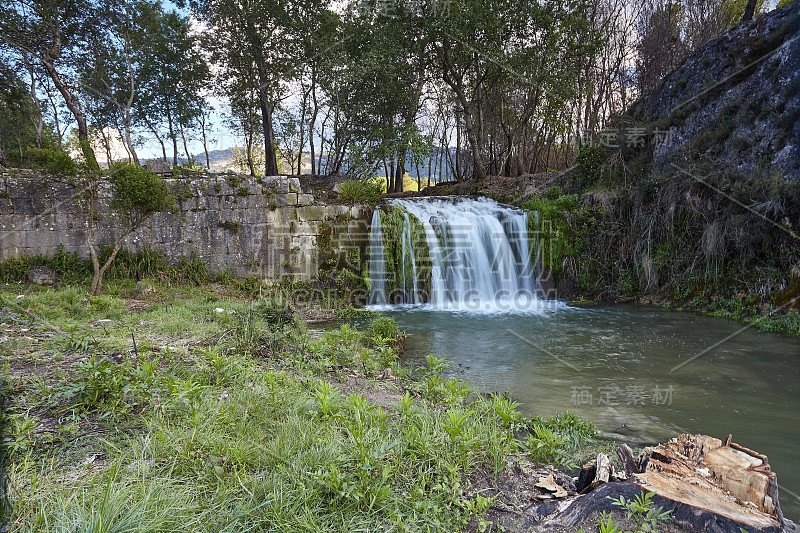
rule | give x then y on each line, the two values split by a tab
305	199
308	213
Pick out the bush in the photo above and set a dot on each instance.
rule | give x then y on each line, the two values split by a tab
360	192
591	163
137	192
51	161
553	193
384	327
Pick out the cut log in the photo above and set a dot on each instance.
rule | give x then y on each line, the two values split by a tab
707	486
625	455
727	481
603	469
585	478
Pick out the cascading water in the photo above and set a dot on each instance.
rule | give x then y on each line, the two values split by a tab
410	261
377	262
480	257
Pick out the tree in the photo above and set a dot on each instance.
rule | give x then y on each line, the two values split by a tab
251	31
54	33
137	194
749	11
511	57
379	86
172	74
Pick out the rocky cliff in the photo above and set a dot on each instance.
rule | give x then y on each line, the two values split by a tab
698	203
736	100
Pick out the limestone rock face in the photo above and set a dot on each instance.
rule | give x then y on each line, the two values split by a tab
737	99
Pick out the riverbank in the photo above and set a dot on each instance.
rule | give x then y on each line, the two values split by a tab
182	408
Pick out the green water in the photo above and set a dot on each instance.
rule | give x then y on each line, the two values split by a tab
616	366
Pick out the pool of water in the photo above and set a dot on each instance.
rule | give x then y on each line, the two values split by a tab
641	375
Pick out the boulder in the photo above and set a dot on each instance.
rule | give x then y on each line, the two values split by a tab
41	275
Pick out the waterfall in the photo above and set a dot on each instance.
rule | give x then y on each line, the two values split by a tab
410	261
377	262
479	256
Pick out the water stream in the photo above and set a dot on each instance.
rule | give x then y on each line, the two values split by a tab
641	375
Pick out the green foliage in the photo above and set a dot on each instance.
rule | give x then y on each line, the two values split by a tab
641	511
138	193
555	440
393	224
591	163
553	193
276	311
506	409
229	225
97	383
552	225
384	328
264	447
52	161
546	446
366	192
128	266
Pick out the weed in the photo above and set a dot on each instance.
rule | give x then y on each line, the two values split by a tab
546	446
384	328
359	192
97	383
229	225
641	511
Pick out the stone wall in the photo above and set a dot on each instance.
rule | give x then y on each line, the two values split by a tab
264	227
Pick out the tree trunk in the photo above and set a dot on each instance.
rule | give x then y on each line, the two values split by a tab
157	136
749	11
313	119
270	160
39	122
107	146
205	139
189	159
55	120
174	138
80	119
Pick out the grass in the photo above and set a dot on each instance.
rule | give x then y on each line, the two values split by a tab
231	415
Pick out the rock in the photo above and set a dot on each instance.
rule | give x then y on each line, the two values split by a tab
305	199
159	166
41	275
143	288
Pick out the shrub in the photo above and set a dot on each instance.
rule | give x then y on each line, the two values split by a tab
359	192
591	163
384	327
51	161
553	193
137	192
